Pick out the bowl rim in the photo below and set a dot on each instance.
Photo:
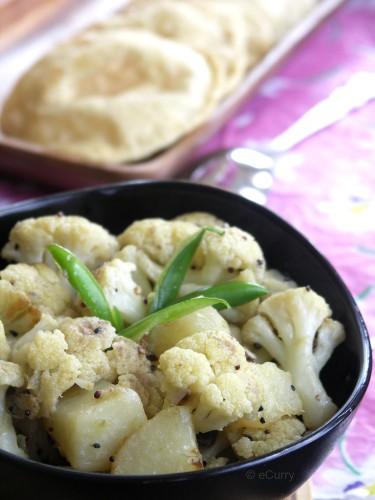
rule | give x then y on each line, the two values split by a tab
346	411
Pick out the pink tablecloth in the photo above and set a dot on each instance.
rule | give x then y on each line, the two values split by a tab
325	188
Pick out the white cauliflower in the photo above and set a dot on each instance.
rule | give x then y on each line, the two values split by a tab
21	345
158	238
147	271
88	338
291	325
73	353
224	257
29	238
207	372
10	375
135	369
42	285
274	281
121	289
17	312
257	442
4	346
201	219
52	371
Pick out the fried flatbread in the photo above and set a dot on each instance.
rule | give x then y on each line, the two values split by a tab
111	96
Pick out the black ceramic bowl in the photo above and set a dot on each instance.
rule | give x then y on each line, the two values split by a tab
346	376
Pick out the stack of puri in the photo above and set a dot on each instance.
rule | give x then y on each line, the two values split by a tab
125	89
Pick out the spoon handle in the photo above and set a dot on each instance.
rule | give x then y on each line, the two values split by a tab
358	90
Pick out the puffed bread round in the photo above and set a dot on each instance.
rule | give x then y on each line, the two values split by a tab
111	96
217	31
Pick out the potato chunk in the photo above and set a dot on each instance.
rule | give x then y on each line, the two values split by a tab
165	444
89	426
165	336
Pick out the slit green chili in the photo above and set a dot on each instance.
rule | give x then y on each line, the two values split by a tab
169	283
169	313
85	284
235	293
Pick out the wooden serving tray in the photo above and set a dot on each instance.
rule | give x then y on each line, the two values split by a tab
33	162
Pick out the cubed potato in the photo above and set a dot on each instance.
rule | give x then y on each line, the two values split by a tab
163	337
165	444
90	426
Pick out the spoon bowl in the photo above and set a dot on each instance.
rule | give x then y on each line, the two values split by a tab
249	171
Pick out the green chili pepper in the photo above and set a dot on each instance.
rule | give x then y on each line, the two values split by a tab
169	283
169	313
84	283
236	293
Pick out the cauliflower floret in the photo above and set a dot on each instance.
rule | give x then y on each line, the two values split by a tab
42	285
17	312
11	374
206	371
131	362
72	354
288	325
201	219
55	371
274	281
159	238
121	290
224	257
255	443
8	437
88	338
276	395
21	346
147	271
4	346
29	238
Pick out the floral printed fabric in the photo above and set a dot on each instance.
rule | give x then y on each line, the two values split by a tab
325	187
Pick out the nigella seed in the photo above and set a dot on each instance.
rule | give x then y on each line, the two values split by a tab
257	346
230	269
262	420
27	413
13	333
96	445
292	387
112	458
97	330
308	288
267	431
152	357
260	408
97	394
260	262
237	367
315	342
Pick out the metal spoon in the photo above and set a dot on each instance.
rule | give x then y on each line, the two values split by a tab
249	171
